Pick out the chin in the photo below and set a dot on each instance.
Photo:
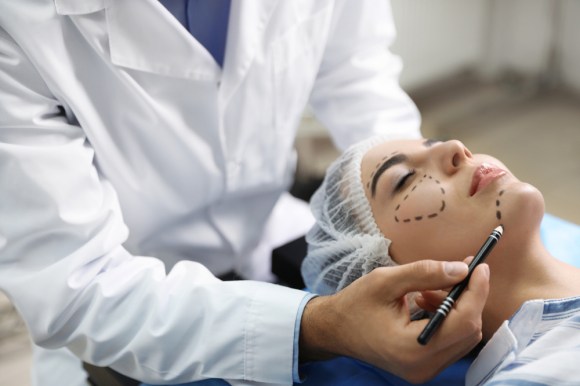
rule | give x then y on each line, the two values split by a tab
522	207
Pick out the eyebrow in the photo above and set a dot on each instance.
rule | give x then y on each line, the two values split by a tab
395	160
430	142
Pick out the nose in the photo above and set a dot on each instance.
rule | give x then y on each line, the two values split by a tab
452	155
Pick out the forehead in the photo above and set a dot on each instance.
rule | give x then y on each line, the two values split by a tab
387	149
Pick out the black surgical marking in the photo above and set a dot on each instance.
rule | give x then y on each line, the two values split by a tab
497	204
395	160
419	218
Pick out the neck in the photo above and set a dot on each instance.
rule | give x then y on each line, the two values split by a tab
524	273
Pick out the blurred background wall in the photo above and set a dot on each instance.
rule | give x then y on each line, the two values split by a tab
503	76
531	38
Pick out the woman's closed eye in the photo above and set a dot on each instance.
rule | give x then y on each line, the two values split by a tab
403	181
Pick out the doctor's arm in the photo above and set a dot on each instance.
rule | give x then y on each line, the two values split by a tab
369	320
357	92
64	266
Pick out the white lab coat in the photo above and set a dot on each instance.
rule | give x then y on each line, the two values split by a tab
121	138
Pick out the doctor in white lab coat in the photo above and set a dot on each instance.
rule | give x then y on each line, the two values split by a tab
132	165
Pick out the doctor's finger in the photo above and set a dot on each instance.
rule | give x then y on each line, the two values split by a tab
474	297
430	300
464	320
422	275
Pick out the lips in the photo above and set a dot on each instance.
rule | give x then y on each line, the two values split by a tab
483	176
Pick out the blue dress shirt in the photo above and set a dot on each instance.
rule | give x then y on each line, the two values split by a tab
206	20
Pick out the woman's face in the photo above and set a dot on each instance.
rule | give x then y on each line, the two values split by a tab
436	200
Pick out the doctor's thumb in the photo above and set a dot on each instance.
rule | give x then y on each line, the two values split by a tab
428	275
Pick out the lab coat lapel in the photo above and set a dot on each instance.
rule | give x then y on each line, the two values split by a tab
144	35
246	40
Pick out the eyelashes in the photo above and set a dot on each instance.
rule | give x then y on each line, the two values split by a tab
403	181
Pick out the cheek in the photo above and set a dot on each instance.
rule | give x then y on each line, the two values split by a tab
410	243
425	200
416	223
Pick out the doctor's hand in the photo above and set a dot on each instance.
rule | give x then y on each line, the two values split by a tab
369	320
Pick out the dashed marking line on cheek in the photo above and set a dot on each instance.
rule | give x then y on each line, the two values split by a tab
421	216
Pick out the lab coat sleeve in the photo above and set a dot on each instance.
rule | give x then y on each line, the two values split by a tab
357	93
63	264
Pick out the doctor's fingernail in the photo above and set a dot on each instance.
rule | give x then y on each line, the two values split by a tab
485	269
455	268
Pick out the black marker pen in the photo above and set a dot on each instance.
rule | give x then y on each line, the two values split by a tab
453	295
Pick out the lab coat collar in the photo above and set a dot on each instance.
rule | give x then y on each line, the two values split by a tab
144	35
164	47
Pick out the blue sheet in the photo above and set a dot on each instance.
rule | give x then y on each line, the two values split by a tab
562	239
350	372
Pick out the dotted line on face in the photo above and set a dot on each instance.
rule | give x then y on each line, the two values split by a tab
428	216
379	164
497	205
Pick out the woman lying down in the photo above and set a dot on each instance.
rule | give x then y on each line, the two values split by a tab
388	203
